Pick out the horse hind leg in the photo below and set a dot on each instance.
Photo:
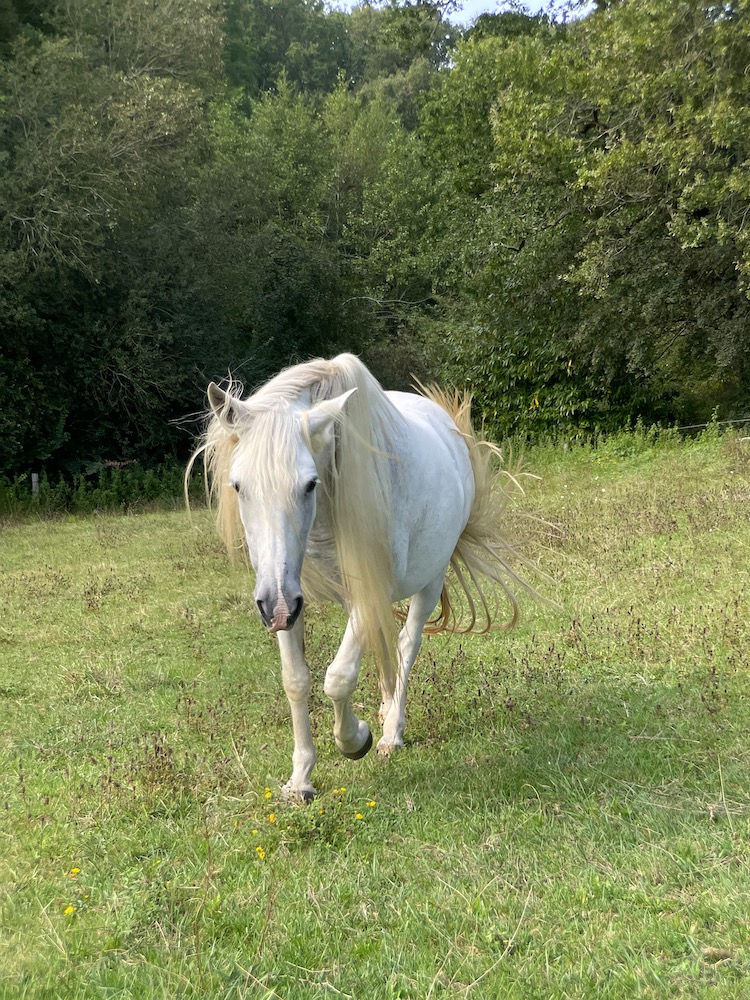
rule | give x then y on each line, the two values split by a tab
393	710
386	693
352	735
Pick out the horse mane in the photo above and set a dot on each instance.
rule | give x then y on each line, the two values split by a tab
357	486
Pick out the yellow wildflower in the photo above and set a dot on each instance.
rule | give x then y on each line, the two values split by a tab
372	803
360	816
272	817
70	909
73	872
260	852
268	793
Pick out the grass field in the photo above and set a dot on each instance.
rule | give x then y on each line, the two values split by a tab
570	817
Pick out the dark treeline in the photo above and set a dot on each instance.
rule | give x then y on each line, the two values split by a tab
554	213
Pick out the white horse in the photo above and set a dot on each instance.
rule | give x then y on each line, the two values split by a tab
343	491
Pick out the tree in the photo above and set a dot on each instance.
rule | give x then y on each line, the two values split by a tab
16	15
612	236
260	246
662	154
96	147
297	39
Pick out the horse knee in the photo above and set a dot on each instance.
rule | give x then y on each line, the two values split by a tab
296	687
340	681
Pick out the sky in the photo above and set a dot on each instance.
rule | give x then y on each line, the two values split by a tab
473	8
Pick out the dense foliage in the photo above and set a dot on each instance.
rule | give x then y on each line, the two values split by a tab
554	213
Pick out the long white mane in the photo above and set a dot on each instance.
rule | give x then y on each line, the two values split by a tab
357	486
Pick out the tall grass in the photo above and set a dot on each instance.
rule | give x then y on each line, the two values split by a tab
126	489
570	817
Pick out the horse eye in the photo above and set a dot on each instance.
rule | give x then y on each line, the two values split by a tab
235	487
311	486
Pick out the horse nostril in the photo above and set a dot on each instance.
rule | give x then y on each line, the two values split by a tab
295	611
263	613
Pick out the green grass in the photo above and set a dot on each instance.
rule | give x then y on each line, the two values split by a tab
570	817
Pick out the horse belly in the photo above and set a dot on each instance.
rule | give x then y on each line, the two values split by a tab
427	553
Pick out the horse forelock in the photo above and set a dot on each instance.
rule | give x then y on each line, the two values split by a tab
267	450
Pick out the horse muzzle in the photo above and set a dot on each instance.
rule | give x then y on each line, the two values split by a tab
281	616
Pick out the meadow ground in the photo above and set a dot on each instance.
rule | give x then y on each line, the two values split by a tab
570	817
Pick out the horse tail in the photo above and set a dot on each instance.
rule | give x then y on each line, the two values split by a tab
482	578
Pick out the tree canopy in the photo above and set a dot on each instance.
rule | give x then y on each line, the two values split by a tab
552	212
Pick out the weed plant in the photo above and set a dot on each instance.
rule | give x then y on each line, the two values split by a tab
570	817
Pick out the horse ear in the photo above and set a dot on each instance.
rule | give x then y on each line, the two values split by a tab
322	417
228	408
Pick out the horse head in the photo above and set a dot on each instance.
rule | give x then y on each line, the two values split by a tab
283	449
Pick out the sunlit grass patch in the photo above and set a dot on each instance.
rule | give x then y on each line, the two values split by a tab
570	817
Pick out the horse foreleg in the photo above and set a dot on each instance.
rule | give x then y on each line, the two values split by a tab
295	676
352	735
409	642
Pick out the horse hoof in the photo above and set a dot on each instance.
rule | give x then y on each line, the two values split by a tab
364	749
295	797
